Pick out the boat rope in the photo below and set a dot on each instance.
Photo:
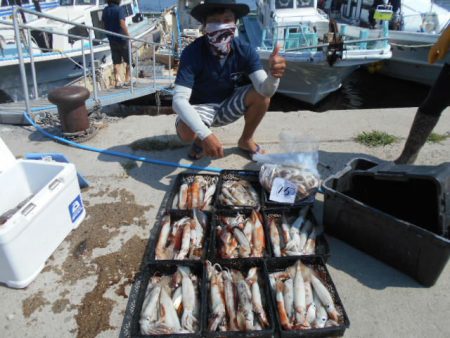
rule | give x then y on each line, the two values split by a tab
117	153
60	51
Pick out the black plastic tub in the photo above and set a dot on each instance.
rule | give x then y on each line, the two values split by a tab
322	247
398	214
130	326
243	265
174	216
188	178
216	243
251	176
316	263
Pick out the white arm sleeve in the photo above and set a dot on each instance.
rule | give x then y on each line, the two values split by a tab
187	113
263	84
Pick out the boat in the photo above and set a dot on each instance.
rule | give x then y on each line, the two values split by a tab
58	59
6	7
6	11
418	25
320	53
177	29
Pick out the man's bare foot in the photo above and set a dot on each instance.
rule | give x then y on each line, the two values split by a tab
250	146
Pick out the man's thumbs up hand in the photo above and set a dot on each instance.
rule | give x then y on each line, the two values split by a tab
277	63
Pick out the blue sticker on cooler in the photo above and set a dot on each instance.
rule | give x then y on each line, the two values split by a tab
76	208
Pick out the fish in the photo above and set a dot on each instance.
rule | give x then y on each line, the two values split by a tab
275	238
160	251
217	304
188	320
238	193
150	303
299	296
183	196
288	295
258	238
252	280
169	315
284	318
245	304
325	297
230	300
196	192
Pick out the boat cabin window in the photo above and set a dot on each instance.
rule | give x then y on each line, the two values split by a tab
283	4
85	2
65	2
305	3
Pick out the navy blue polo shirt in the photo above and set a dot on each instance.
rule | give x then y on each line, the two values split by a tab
111	17
211	82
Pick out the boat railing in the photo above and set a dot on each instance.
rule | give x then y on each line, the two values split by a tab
23	39
301	38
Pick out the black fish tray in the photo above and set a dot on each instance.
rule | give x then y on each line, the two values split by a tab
317	263
269	205
398	214
242	265
130	326
216	244
175	215
251	176
322	247
180	179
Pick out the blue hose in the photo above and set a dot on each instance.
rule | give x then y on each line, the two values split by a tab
118	153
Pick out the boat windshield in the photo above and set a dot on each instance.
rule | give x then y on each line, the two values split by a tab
283	4
305	3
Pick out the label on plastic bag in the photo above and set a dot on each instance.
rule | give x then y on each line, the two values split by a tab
283	191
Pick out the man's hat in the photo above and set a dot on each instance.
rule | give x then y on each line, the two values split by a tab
200	11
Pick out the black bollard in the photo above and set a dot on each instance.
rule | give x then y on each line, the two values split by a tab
71	105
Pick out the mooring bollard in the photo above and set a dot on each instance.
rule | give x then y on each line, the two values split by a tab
70	101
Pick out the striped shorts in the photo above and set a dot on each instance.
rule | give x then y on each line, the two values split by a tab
226	112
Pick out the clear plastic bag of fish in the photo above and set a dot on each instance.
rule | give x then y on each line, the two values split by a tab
292	171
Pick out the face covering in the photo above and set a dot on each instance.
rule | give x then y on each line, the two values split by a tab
220	36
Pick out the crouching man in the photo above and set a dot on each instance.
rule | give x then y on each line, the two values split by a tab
207	91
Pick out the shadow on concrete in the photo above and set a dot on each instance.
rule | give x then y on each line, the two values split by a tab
366	269
153	174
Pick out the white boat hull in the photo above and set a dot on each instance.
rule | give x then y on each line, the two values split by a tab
411	63
50	74
310	82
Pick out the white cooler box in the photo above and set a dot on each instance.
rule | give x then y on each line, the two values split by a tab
33	232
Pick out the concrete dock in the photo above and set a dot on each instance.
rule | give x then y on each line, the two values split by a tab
83	290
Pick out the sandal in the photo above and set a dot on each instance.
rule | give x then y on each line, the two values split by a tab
196	152
250	153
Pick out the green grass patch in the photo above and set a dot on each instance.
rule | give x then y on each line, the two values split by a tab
375	138
154	144
437	138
